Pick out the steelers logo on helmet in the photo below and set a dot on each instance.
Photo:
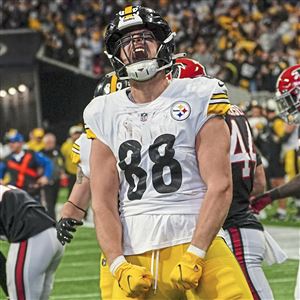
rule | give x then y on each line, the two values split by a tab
109	84
133	34
180	110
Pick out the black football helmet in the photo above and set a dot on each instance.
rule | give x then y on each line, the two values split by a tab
108	84
130	19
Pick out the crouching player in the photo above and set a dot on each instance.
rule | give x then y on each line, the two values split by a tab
34	252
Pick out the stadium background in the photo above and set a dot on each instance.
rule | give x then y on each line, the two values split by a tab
51	57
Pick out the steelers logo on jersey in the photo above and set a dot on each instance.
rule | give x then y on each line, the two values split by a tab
180	111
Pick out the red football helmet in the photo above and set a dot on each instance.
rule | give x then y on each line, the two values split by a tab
186	68
288	94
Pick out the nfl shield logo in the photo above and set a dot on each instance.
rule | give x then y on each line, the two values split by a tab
144	117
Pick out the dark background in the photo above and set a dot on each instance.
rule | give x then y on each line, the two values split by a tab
56	96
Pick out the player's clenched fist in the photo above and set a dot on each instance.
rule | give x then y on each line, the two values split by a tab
187	272
133	280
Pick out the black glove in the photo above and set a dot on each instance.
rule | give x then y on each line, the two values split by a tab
64	227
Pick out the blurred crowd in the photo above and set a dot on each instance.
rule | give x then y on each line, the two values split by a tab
246	43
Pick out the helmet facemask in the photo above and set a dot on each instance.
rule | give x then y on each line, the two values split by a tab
139	63
121	31
289	105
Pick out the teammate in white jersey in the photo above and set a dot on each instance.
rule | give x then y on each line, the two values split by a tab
75	208
160	171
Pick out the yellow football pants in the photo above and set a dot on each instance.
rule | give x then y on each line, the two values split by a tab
222	277
291	163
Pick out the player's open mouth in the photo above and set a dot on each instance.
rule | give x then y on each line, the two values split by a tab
139	53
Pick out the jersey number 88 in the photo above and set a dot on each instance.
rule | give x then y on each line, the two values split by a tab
161	160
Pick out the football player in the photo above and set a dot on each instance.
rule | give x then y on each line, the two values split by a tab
245	235
150	143
288	101
34	253
74	210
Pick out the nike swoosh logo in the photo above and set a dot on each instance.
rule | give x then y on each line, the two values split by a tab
128	282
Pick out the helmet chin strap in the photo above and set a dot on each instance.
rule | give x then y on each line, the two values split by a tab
142	70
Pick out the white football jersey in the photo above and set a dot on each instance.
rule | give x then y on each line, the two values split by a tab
154	145
81	153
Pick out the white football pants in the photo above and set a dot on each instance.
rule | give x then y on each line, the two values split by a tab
31	265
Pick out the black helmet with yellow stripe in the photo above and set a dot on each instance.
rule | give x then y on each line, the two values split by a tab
108	84
133	18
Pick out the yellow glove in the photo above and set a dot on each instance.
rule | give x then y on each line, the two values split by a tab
133	280
187	272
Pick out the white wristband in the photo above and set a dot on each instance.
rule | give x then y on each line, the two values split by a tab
197	251
116	263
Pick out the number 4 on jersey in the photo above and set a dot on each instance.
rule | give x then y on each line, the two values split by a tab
238	150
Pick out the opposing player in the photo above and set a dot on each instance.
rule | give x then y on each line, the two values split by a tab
150	144
245	235
34	252
288	101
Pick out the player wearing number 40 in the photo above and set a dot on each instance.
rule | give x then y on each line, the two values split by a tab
157	220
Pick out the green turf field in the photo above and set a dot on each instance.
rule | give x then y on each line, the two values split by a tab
77	275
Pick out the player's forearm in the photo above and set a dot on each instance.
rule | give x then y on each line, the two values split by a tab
109	232
104	188
80	196
81	193
106	217
105	183
290	189
212	215
260	181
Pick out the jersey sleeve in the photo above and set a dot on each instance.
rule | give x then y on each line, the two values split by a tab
85	149
258	159
93	119
219	102
75	156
